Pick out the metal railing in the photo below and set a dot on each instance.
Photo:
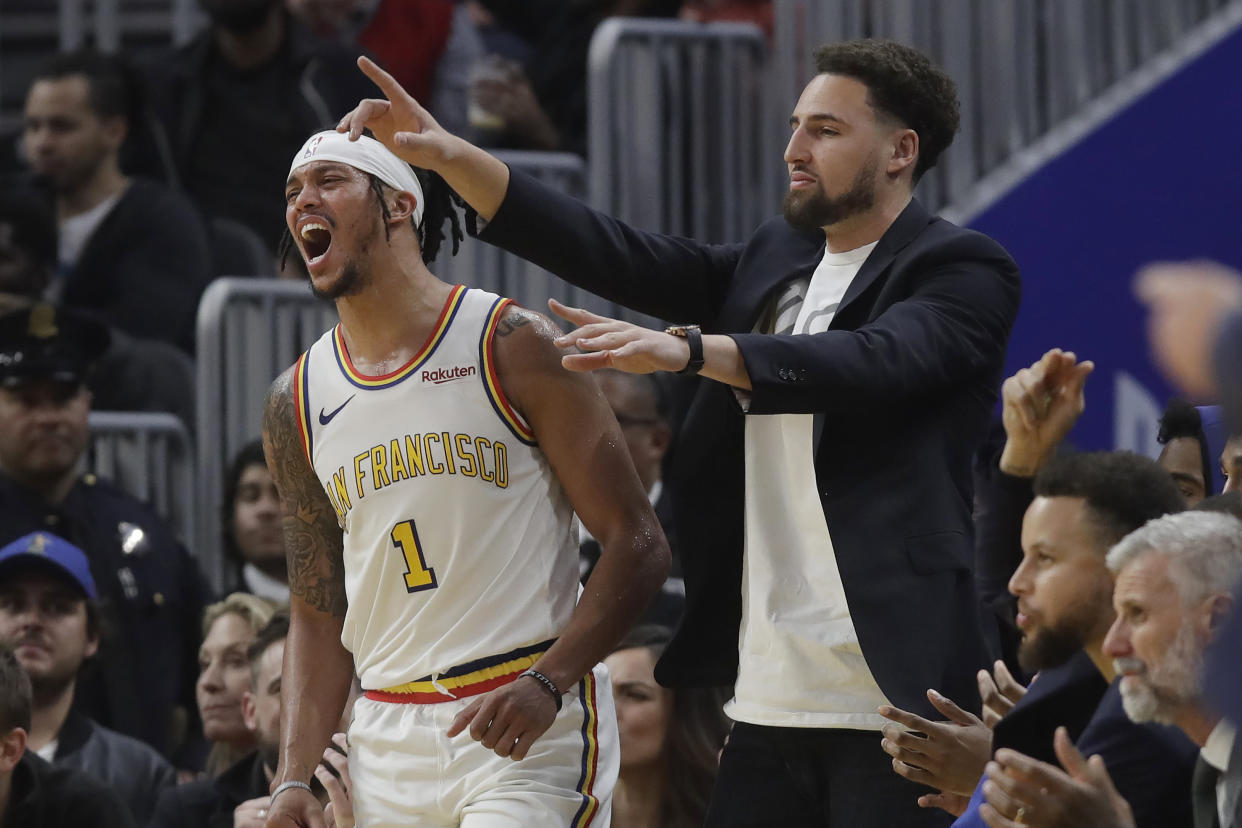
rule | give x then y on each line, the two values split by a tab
1022	66
150	456
676	126
249	330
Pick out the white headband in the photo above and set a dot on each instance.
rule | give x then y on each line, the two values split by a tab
365	154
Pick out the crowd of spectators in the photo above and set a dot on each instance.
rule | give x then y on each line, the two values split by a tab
1107	581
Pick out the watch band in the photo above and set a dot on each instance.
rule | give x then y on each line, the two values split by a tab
694	338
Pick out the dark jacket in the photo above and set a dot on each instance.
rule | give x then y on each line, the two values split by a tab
145	266
50	797
318	83
209	803
132	769
905	377
1149	764
152	599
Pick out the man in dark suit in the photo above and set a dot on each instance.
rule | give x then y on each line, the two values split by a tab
872	336
1083	503
1174	582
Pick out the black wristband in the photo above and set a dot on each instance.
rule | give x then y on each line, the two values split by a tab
694	339
548	685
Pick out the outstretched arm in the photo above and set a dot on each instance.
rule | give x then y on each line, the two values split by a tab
579	435
317	667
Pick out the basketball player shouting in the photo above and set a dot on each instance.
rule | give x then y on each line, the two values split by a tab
430	452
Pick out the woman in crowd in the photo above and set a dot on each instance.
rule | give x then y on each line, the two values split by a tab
253	544
224	675
670	739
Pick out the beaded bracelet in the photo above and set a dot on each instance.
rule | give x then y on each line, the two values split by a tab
548	684
284	786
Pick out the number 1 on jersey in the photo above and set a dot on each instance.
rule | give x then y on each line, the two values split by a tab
418	575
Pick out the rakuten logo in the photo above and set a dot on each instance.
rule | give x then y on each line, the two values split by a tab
457	372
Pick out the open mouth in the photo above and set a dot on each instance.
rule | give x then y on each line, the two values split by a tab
316	239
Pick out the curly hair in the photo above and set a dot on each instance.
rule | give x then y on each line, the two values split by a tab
1181	419
903	84
1122	490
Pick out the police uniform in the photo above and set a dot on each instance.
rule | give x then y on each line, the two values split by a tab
151	592
460	557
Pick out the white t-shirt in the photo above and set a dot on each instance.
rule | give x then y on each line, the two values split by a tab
76	231
1216	752
800	661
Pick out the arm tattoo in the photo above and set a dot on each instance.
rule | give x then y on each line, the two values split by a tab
513	319
313	546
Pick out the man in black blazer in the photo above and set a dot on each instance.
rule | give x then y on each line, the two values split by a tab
872	336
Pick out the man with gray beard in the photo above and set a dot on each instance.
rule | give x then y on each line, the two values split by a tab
1174	584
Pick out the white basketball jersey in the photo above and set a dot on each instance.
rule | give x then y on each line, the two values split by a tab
459	539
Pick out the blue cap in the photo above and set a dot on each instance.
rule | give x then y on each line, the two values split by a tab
54	551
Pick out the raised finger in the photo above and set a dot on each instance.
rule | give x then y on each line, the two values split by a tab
1008	686
579	316
950	709
988	690
465	717
386	82
910	720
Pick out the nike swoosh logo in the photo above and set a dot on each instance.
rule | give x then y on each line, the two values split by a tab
324	419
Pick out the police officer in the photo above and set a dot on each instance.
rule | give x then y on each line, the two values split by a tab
151	592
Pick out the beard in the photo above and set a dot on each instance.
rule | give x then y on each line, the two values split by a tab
349	283
815	209
240	16
1158	691
1052	645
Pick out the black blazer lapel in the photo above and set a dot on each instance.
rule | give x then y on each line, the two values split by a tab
909	224
748	298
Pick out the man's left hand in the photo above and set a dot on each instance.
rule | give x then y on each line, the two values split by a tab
949	756
508	719
611	343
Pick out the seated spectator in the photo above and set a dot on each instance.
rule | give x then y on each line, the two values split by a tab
239	795
151	592
49	615
237	102
224	675
427	45
32	792
1083	504
253	538
130	249
542	104
1174	586
130	374
640	403
1184	452
670	739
